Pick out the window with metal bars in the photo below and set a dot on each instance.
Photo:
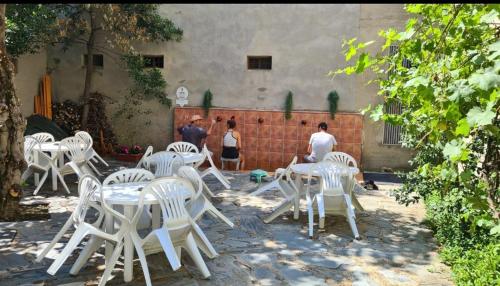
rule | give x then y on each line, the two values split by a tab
97	60
259	62
153	61
392	133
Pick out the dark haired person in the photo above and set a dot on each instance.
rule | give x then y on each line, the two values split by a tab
231	143
193	133
320	143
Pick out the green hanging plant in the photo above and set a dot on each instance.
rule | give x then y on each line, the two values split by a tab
289	105
333	99
207	101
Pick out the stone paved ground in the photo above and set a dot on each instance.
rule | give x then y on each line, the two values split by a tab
395	247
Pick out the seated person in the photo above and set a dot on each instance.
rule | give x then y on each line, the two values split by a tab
320	144
231	143
193	133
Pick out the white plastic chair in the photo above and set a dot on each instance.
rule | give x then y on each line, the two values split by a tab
349	161
43	164
341	157
77	149
43	137
89	188
332	198
128	176
199	204
142	163
178	230
213	170
223	160
166	163
281	181
289	190
94	204
91	154
182	147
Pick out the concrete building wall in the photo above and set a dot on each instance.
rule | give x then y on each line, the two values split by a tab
305	42
30	69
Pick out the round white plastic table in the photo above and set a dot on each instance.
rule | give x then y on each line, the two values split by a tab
313	168
191	158
56	154
306	168
127	195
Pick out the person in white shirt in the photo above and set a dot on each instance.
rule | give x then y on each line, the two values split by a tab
320	143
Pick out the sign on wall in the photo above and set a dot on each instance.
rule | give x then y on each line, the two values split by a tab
182	95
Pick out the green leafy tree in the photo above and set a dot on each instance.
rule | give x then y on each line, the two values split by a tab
450	117
121	25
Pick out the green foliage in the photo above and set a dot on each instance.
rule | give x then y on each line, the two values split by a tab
476	266
289	105
333	98
207	101
450	118
148	84
30	27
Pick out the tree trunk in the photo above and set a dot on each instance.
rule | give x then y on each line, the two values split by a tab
89	72
12	125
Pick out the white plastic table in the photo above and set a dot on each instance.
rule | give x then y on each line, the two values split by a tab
56	154
313	168
191	158
127	195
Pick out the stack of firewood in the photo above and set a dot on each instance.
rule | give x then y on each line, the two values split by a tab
98	125
68	116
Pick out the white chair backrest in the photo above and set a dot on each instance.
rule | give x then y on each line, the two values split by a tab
88	189
44	137
29	153
166	163
129	176
331	179
85	136
76	148
194	177
142	163
171	195
288	170
182	147
341	157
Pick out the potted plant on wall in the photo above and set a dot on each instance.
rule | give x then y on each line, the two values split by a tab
333	99
207	102
129	153
288	105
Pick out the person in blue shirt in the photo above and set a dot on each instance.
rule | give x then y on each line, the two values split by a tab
193	133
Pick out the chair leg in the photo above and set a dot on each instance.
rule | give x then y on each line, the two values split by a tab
101	159
207	190
218	214
178	251
58	236
61	178
192	249
321	211
92	246
238	165
26	174
42	180
142	257
264	188
170	251
111	264
310	215
77	237
350	216
281	209
203	242
94	168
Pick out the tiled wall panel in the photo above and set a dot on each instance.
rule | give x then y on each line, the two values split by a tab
273	142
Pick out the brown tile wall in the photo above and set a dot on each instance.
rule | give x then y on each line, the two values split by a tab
273	143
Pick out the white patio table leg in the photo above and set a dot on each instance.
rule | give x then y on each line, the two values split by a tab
109	225
156	213
300	186
36	175
54	171
128	247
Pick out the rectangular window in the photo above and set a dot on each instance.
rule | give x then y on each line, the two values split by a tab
153	61
97	60
259	62
392	133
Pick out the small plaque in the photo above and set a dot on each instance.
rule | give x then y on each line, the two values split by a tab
182	95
